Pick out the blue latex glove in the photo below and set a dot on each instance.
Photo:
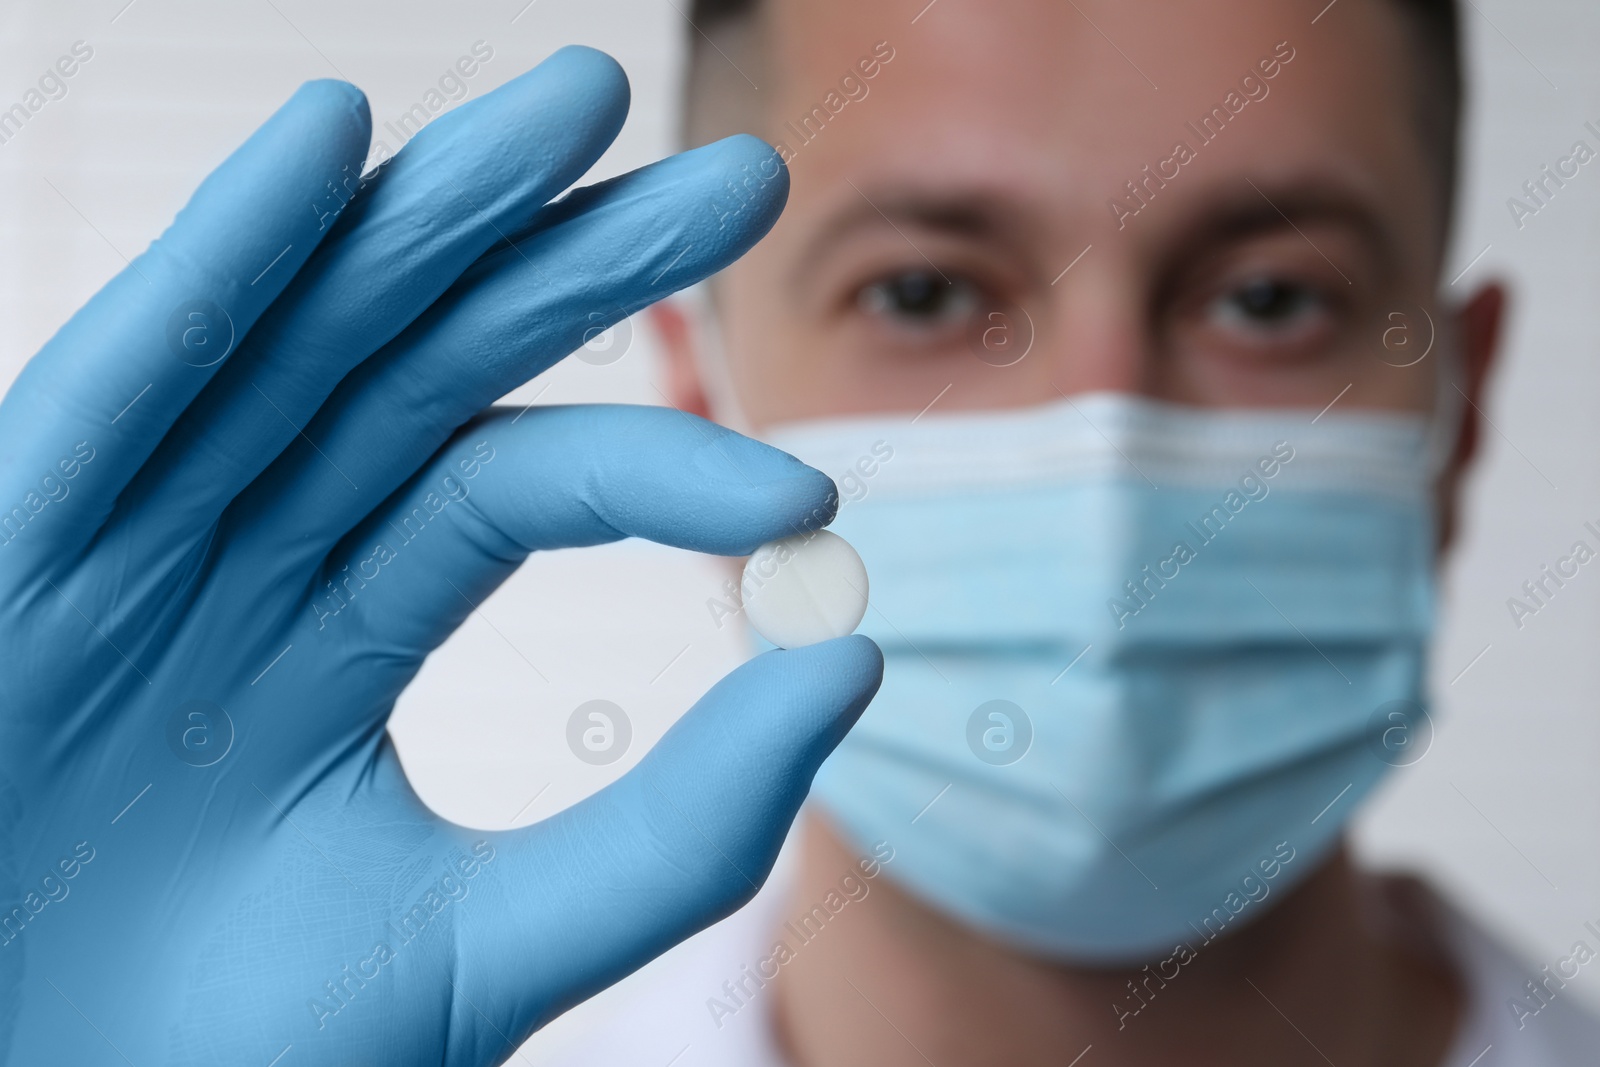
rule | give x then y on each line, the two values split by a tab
208	850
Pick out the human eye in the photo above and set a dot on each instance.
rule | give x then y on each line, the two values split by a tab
920	302
1271	301
1265	308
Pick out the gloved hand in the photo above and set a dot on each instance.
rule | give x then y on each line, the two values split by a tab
249	487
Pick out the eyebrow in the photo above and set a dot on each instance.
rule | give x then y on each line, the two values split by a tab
975	214
1284	203
1258	205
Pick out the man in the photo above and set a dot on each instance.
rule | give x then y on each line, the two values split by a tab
1119	329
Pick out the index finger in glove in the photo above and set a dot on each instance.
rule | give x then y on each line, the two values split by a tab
553	477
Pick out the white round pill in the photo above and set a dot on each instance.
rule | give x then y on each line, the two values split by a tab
804	589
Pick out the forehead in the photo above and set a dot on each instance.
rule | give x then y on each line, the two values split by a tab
1057	105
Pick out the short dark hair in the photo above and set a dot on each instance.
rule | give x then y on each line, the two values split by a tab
716	101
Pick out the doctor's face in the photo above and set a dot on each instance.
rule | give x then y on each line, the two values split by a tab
998	204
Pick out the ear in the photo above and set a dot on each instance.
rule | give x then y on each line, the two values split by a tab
1478	325
675	330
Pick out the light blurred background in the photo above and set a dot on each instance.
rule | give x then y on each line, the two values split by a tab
1504	810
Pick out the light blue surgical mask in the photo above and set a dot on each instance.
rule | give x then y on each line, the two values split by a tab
1136	655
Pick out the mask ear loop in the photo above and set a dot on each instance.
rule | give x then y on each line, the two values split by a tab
711	359
1444	425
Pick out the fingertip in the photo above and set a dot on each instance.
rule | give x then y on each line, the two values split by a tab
596	71
578	72
809	495
776	493
845	672
272	196
743	181
552	120
865	652
746	149
757	171
855	661
328	94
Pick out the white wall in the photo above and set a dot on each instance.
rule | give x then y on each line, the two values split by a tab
1505	808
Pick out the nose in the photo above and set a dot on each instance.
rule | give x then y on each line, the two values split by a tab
1095	336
